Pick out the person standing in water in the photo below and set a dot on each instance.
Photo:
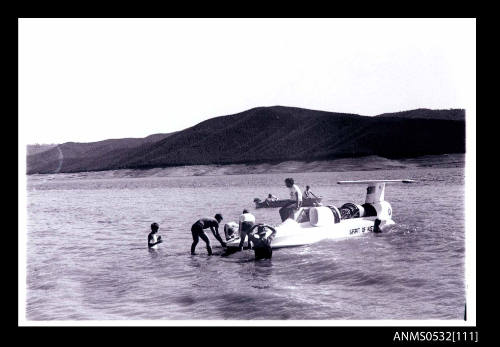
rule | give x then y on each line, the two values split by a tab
261	242
247	220
153	238
197	230
295	195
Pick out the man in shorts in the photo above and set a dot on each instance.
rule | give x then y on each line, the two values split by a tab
247	220
197	230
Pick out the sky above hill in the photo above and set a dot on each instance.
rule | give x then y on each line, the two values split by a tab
92	79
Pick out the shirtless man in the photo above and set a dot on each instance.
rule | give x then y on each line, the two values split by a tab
197	230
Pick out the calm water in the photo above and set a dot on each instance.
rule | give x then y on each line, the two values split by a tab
88	258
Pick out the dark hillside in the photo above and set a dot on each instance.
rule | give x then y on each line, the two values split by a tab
269	134
425	113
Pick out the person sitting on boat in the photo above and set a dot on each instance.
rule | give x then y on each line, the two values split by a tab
261	242
271	198
197	230
308	194
247	220
153	238
295	196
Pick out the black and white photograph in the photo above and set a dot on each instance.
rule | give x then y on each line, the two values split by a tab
247	171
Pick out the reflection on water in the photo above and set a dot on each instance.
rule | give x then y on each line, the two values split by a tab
153	253
88	256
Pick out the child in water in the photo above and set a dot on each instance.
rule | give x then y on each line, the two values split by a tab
153	238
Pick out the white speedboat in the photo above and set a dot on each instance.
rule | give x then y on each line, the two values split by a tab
313	224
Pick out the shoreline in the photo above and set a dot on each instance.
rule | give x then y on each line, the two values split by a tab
369	163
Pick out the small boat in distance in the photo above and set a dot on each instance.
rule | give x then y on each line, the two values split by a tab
306	202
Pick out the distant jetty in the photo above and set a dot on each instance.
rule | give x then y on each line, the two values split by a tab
266	135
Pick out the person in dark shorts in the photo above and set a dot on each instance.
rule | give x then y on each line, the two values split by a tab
261	242
247	220
197	230
153	238
295	200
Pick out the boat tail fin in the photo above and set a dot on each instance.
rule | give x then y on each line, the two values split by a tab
376	188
